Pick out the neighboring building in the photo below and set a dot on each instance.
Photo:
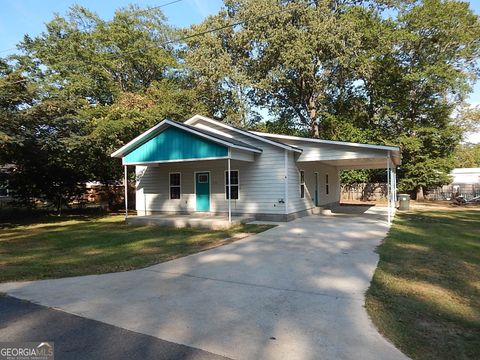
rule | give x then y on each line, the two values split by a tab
465	183
183	168
462	176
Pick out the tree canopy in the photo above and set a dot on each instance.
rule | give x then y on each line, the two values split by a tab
387	72
351	71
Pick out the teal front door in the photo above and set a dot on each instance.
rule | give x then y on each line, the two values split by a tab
202	188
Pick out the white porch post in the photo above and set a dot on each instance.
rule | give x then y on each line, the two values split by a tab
394	188
286	182
389	200
229	191
125	181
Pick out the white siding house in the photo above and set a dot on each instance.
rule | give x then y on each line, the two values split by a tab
181	168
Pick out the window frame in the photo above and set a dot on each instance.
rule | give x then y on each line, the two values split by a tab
170	186
237	185
327	184
302	183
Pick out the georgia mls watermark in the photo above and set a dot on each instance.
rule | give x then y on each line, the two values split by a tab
26	351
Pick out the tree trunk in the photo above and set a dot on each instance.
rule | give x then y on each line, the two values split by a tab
110	195
312	112
314	129
59	205
420	196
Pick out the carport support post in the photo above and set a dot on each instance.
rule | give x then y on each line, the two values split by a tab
229	192
125	181
389	200
394	188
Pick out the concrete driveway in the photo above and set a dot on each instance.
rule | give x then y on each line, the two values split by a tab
293	292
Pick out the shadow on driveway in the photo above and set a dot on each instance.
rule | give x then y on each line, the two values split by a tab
77	338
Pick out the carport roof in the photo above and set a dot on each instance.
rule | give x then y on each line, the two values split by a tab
330	142
352	155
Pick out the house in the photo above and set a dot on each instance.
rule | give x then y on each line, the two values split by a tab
207	166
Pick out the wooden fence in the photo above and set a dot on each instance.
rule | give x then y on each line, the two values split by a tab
448	192
364	192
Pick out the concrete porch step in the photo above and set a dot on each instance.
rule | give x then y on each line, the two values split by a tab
212	222
319	210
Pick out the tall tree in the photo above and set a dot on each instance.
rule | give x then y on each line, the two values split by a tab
98	84
36	142
350	71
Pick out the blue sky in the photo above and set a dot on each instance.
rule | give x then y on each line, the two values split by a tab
19	17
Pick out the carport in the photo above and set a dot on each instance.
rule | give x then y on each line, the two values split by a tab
348	156
374	157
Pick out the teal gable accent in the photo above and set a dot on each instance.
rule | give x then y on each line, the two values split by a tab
175	144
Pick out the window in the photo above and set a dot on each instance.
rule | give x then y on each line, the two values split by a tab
326	184
235	184
302	184
203	178
174	185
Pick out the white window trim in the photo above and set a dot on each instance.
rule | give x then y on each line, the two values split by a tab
300	181
225	183
170	185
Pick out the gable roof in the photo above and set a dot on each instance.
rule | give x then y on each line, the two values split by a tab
152	132
250	134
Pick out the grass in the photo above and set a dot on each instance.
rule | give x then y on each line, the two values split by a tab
425	294
54	247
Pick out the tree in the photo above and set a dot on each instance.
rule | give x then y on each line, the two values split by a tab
36	143
97	84
349	71
467	156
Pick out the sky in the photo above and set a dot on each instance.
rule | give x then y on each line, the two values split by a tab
19	17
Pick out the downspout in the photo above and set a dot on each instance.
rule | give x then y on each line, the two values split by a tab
389	199
229	188
286	182
125	181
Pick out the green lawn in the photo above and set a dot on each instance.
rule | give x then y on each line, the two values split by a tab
425	294
53	247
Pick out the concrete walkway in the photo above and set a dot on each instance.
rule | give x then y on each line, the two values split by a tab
293	292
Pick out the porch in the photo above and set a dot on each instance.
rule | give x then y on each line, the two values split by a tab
198	220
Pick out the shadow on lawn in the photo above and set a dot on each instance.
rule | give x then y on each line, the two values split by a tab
425	294
12	218
81	246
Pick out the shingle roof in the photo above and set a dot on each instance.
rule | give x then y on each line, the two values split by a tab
220	137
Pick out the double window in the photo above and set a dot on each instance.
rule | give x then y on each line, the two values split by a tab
233	185
175	185
302	184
